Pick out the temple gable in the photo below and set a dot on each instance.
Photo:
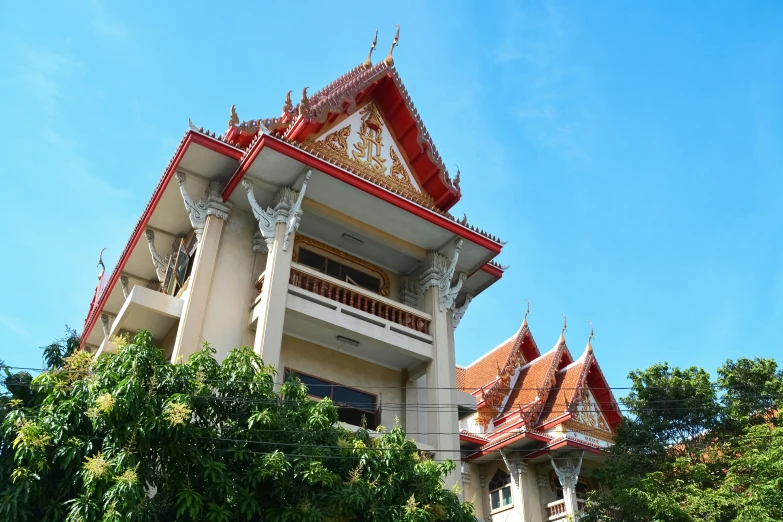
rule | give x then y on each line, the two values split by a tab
365	142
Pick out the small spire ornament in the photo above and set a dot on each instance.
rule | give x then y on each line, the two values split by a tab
389	60
368	62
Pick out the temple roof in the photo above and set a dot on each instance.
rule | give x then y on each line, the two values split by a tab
483	371
381	84
540	391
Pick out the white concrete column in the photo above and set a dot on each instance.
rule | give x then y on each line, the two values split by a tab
516	468
442	422
188	337
271	306
568	474
276	228
438	301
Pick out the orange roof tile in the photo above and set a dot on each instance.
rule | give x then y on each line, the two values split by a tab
460	377
567	380
532	379
485	369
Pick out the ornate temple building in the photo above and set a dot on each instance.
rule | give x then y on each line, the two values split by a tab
322	238
540	425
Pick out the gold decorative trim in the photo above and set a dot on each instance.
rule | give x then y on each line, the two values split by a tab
338	140
366	160
306	240
606	436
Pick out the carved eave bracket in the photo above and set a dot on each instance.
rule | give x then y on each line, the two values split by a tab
159	261
211	205
459	312
410	292
106	324
568	473
439	271
286	208
124	284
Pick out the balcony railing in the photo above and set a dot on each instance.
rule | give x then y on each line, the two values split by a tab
557	510
358	298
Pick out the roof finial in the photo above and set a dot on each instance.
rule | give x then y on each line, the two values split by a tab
456	180
592	336
368	62
563	331
288	106
304	105
389	60
100	263
234	118
527	312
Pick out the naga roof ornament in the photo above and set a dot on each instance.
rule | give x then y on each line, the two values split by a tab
234	120
304	105
389	60
288	107
368	62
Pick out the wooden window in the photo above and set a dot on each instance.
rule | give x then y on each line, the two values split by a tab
351	404
500	490
339	270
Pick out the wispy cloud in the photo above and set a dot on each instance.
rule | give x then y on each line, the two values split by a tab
46	78
12	324
43	72
104	23
534	49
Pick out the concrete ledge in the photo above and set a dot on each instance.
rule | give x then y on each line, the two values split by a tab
144	309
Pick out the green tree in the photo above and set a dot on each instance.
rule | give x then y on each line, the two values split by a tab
134	438
54	355
697	450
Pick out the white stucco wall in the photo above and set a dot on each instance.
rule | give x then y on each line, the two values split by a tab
228	308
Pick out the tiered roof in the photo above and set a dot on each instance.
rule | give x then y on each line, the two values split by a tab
301	125
520	392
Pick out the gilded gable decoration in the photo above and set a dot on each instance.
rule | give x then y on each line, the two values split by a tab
363	144
368	150
338	140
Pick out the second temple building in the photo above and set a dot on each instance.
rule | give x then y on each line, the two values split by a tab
322	237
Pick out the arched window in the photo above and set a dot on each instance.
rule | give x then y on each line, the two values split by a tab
500	490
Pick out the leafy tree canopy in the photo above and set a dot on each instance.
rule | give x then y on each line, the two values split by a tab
696	449
134	438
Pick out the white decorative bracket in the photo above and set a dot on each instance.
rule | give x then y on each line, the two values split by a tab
211	205
124	284
516	466
295	214
439	271
410	292
159	261
568	475
105	324
287	208
459	312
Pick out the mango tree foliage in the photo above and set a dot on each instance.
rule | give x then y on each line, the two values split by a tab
697	450
134	438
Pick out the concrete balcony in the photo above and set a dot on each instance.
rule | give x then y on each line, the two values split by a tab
557	510
144	309
348	318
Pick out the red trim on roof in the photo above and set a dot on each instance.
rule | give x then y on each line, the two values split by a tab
565	443
494	446
492	270
351	179
190	137
467	437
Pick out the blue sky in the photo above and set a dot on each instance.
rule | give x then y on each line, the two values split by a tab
631	153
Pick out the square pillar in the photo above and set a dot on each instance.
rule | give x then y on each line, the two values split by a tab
271	306
188	340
